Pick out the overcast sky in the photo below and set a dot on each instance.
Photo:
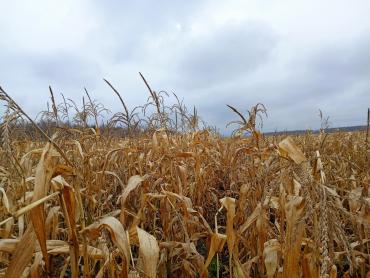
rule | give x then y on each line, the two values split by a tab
294	56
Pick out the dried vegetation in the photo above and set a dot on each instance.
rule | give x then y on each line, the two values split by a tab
169	198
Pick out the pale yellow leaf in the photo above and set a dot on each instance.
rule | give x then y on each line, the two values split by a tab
148	252
270	254
288	148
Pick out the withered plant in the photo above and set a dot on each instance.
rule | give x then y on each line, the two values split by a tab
167	198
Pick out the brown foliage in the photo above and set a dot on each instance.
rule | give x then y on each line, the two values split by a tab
165	204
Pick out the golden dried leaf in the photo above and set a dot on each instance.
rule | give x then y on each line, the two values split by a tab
51	223
251	219
35	270
69	210
64	170
8	245
270	254
354	199
5	199
43	175
294	210
22	254
21	225
229	204
185	154
148	252
92	252
117	233
155	142
310	266
132	184
217	244
288	148
333	271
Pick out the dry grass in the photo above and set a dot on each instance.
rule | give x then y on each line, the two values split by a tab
182	204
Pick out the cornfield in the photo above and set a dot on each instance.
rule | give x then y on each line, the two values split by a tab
172	198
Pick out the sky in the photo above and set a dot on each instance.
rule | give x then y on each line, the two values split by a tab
295	57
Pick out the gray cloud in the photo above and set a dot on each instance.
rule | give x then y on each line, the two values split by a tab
224	55
209	53
135	28
68	69
332	78
28	76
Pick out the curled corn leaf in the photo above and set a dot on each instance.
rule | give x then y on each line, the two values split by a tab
287	148
270	254
149	252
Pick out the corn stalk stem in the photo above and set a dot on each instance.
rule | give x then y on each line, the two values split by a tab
29	207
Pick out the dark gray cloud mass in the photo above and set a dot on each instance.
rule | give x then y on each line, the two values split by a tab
295	57
225	55
66	68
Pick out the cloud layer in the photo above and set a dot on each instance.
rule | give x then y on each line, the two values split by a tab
295	57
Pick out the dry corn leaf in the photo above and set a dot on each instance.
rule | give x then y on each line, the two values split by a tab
25	157
21	225
68	201
270	254
51	222
217	244
118	236
333	271
43	175
78	144
155	142
7	232
8	245
274	202
247	266
309	266
34	204
319	169
64	170
296	187
35	270
287	148
92	252
294	210
22	254
238	271
5	199
251	219
24	251
185	154
148	252
132	184
354	199
229	204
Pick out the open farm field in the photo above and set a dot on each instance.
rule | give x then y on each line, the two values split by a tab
183	204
